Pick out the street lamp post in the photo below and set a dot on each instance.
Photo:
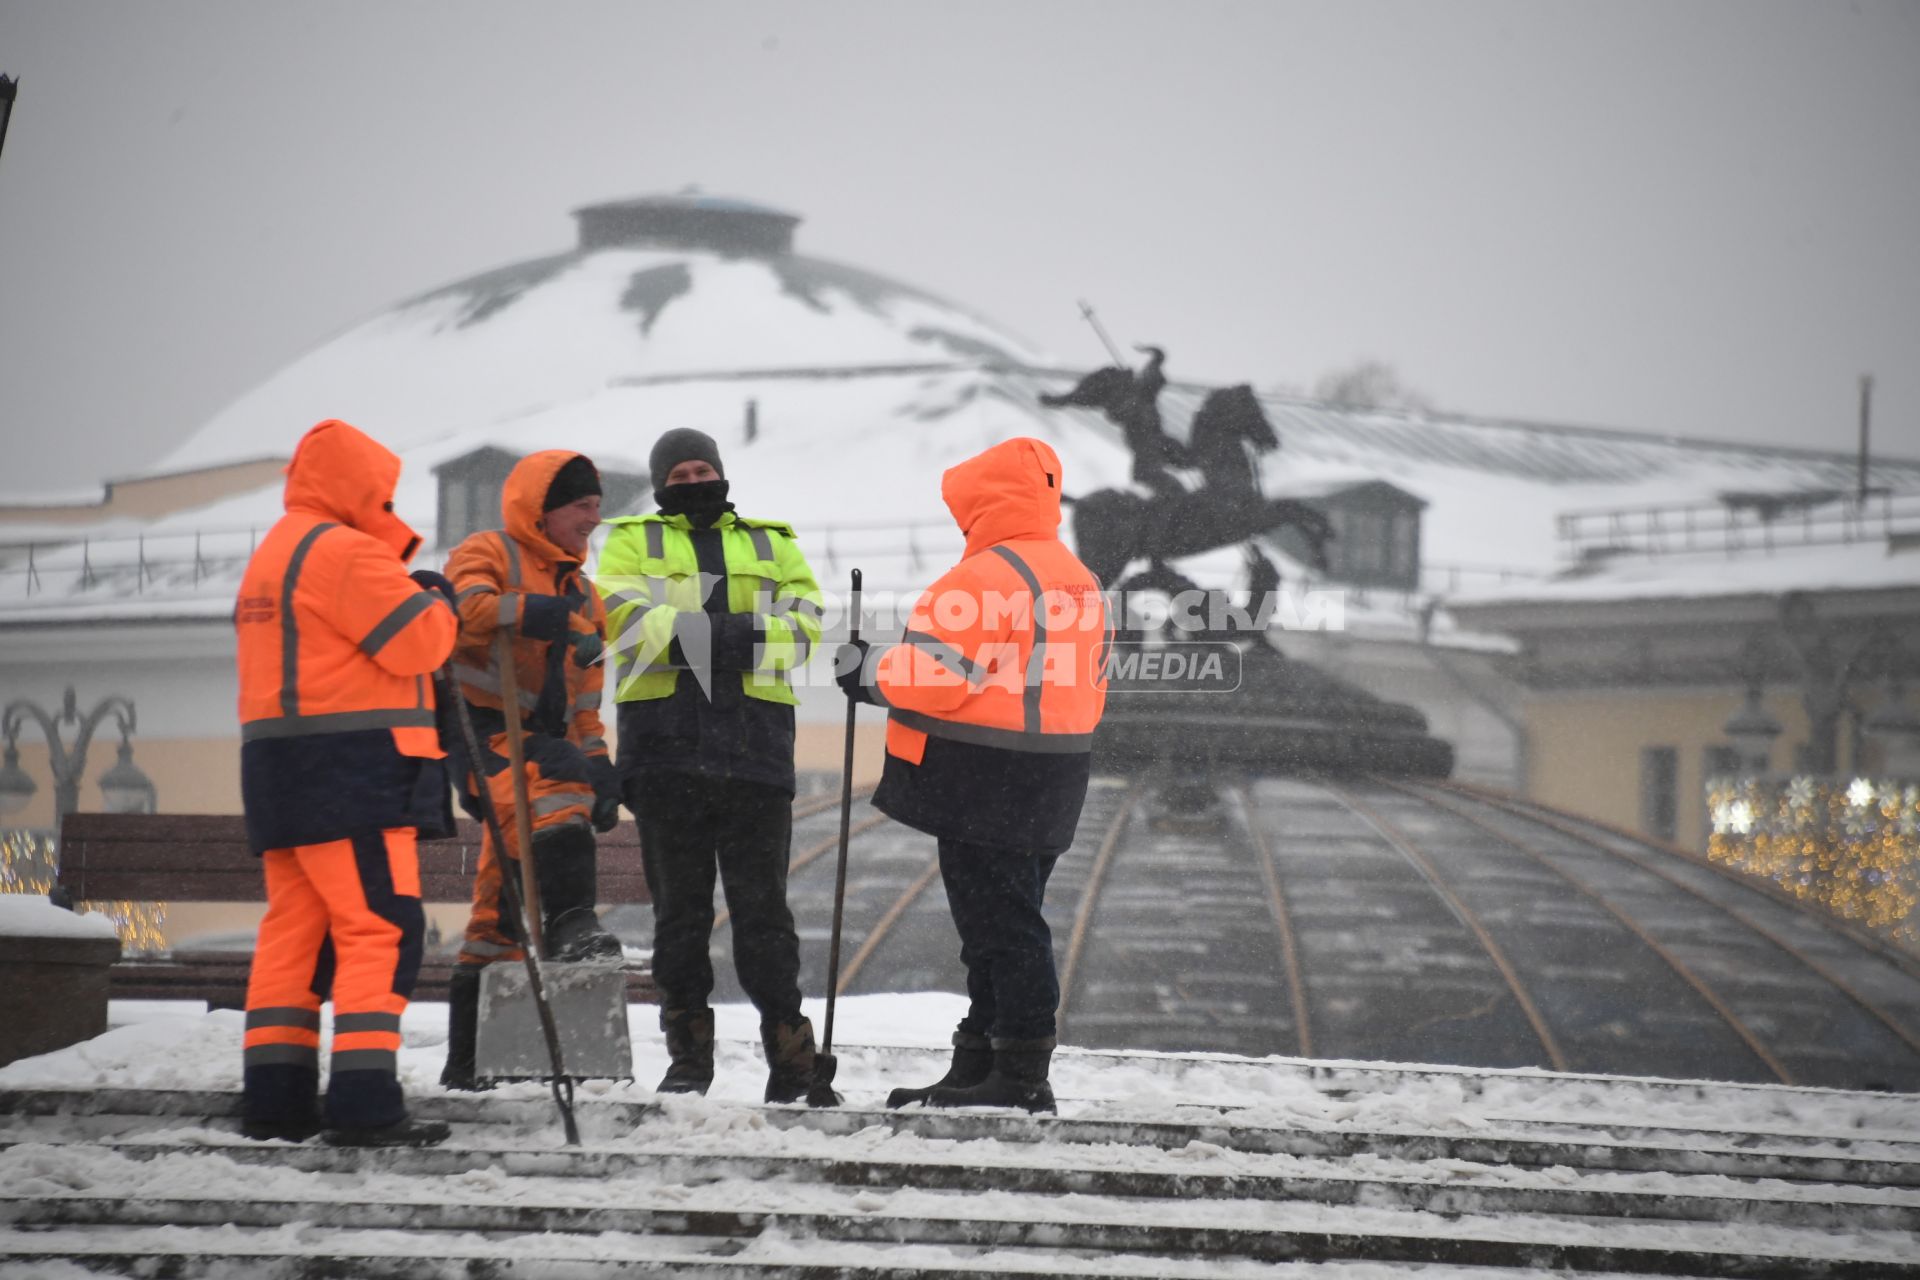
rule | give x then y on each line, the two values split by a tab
9	90
125	788
1752	730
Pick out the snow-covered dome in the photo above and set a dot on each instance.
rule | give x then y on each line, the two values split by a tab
657	287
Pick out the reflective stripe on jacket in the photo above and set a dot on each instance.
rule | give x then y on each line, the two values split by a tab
1006	649
650	582
336	646
332	634
519	579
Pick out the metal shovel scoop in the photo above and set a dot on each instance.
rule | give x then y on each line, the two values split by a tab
586	1000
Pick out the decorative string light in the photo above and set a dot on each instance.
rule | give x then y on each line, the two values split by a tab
27	862
1851	846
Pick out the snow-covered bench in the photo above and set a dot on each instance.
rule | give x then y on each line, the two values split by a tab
192	857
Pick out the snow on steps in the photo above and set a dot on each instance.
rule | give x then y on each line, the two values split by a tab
106	1180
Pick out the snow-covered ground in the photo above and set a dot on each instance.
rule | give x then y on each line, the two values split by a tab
889	1040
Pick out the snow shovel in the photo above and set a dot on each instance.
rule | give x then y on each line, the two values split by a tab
449	697
824	1063
586	1000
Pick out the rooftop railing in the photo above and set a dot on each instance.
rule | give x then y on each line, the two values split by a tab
129	563
1740	524
894	555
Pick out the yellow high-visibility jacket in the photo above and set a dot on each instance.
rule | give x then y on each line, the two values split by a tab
649	577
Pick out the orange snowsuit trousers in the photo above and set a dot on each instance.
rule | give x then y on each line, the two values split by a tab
343	920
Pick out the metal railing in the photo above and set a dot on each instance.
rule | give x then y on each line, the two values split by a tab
1740	524
127	562
897	554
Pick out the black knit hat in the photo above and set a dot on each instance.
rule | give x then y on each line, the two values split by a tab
572	482
682	444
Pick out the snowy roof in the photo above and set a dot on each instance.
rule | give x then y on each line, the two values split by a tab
852	457
534	335
864	389
1861	566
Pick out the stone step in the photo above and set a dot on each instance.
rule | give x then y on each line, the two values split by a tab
1855	1159
368	1255
655	1190
906	1163
1224	1230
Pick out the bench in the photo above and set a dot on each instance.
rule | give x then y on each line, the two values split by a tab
192	857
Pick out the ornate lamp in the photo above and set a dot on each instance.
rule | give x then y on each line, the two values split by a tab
16	785
126	789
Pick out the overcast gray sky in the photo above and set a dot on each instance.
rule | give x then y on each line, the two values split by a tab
1667	215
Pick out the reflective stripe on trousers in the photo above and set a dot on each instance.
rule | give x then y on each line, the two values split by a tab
344	923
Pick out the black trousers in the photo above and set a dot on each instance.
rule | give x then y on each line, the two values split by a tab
995	894
690	827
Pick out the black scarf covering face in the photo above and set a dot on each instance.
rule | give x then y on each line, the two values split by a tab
702	502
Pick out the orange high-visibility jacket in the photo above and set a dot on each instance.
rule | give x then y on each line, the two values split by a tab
336	647
515	579
1006	650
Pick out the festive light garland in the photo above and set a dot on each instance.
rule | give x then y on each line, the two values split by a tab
1850	845
28	860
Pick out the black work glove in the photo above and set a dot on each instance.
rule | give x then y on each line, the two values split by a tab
587	647
606	813
606	793
543	617
428	580
849	671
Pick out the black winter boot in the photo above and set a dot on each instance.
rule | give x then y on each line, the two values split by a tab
689	1035
972	1060
407	1132
790	1064
578	935
463	1029
565	867
1018	1079
281	1100
281	1130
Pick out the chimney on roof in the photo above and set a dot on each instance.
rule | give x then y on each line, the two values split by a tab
1866	419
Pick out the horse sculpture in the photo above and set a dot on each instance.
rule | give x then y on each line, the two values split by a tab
1115	526
1282	715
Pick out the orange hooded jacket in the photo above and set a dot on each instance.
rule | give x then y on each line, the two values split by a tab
518	579
336	646
1006	650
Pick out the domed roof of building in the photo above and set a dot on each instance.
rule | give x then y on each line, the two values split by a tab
655	287
1414	922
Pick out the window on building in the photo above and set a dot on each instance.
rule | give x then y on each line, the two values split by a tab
1376	541
469	504
1660	792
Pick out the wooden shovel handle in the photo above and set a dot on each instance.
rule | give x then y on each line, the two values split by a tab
522	810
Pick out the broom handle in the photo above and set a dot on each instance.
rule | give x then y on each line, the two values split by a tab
846	817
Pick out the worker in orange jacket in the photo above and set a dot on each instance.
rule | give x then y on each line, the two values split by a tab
341	770
993	693
526	579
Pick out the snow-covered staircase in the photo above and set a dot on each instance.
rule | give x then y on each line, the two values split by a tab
1585	1176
